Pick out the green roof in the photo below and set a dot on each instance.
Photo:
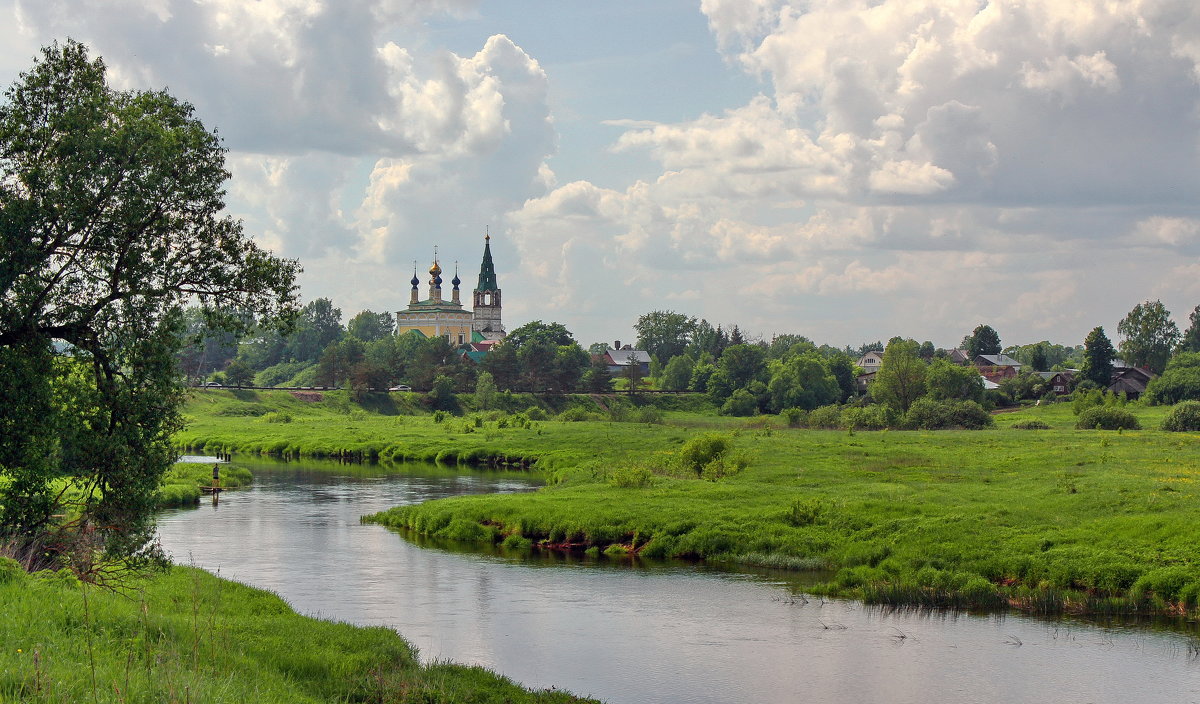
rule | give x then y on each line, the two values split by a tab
487	270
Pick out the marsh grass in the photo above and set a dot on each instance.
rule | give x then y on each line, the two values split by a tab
187	636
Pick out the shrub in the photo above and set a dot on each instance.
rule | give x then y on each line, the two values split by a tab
649	414
1030	425
10	570
804	512
1107	418
1184	417
277	417
1085	399
634	476
970	416
927	414
829	417
741	403
1180	381
535	413
726	465
795	417
576	414
702	450
873	417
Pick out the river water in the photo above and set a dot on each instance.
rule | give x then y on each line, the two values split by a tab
632	634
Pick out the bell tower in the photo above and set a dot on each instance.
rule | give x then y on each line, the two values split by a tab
486	303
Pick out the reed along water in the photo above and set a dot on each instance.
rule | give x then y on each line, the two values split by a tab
644	633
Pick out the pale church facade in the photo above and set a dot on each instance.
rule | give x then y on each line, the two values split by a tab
437	317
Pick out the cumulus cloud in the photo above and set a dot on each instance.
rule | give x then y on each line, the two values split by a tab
960	159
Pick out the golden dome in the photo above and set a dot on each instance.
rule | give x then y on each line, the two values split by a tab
435	269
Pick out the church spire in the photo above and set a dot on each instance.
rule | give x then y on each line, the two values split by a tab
487	270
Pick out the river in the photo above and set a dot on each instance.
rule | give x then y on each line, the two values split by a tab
644	634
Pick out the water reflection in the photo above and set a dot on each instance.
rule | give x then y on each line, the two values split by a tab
642	633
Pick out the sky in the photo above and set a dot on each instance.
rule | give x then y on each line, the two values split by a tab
840	169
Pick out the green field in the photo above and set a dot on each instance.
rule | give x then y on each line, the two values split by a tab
187	636
1043	520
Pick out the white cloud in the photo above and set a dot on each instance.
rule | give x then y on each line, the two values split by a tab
909	166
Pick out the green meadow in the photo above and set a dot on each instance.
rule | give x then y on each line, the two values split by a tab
1042	520
187	636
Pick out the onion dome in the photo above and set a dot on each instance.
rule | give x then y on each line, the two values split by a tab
456	281
435	269
415	281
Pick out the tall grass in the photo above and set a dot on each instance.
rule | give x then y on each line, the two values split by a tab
187	636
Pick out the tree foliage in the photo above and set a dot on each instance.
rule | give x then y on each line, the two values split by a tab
951	382
982	340
1149	335
1180	381
900	381
111	219
1190	340
370	326
537	331
663	333
802	381
1098	356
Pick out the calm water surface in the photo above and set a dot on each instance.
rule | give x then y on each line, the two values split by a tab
629	634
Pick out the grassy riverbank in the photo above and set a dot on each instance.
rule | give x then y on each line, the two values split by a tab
181	484
187	636
1044	520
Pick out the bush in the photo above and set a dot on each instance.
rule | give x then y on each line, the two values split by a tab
10	570
741	403
795	417
873	417
726	465
1085	399
702	451
277	417
804	512
576	414
631	477
829	417
648	414
535	413
927	414
970	416
1184	417
1179	382
1107	418
1030	425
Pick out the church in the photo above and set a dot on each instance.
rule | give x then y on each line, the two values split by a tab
437	317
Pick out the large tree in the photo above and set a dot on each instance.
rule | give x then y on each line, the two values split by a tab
537	331
982	340
318	326
1098	356
1190	341
664	333
901	379
370	326
111	220
1149	336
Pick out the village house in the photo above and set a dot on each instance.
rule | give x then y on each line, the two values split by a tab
618	358
870	362
997	367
